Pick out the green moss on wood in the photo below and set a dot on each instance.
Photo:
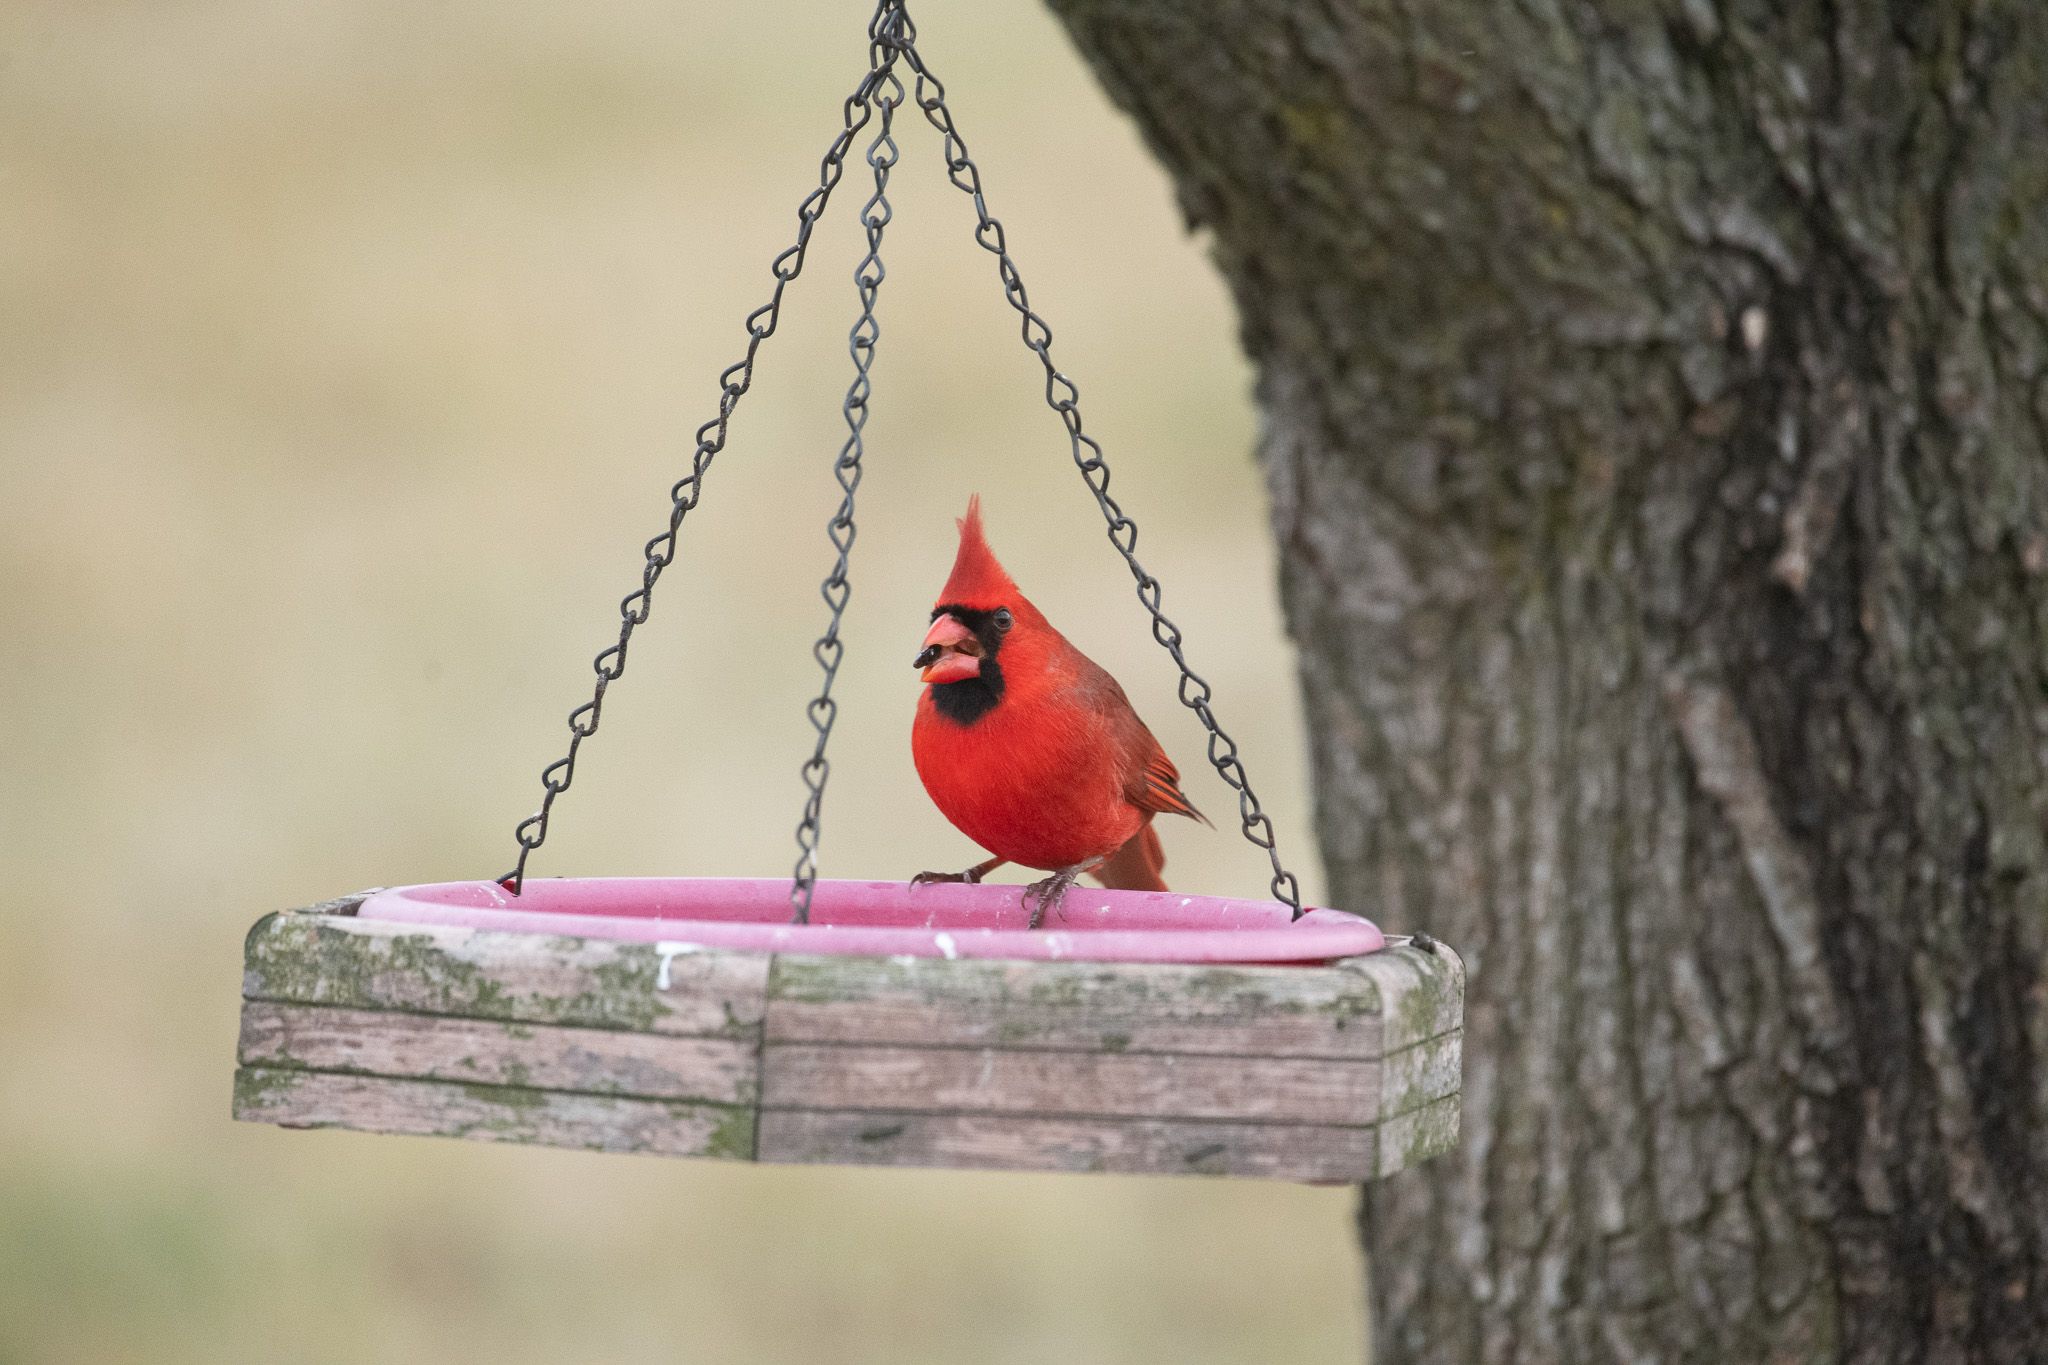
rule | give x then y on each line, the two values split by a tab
732	1138
1059	988
513	1096
623	993
257	932
1421	1006
257	1086
323	964
304	960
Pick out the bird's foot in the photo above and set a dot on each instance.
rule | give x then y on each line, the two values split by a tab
1042	897
972	876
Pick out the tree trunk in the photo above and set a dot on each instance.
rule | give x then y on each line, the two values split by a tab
1656	418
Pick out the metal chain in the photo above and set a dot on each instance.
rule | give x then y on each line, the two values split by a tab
1064	398
734	381
882	155
891	36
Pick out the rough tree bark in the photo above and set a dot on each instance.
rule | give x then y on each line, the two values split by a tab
1656	399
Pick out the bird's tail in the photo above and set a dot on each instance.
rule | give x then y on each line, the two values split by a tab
1137	865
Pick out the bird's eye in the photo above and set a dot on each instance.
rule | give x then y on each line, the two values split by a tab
1003	618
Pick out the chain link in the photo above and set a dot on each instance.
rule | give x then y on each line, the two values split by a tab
1064	398
882	155
733	382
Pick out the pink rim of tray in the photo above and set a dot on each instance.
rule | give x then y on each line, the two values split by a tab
888	919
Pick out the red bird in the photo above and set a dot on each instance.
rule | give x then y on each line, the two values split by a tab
1029	747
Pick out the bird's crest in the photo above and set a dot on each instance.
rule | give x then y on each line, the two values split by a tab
978	578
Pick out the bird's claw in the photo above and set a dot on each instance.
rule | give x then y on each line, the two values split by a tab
1045	895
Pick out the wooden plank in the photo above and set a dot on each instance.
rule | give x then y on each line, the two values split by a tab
1421	995
499	1052
1414	1137
1062	1066
1421	1074
603	1123
532	978
1132	1147
1084	1006
1129	1085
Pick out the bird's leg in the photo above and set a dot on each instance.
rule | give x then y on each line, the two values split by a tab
1042	896
971	876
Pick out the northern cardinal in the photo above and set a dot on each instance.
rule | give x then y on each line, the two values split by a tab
1029	747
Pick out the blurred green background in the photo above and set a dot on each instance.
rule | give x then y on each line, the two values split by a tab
346	353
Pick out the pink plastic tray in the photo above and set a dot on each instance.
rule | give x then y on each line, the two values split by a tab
882	919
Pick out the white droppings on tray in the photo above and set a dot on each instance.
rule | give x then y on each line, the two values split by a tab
947	948
669	953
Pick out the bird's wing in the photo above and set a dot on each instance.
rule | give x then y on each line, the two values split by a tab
1156	785
1151	782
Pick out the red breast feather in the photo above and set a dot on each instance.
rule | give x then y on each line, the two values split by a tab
1060	770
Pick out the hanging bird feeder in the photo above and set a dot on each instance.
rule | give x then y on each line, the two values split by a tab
867	1023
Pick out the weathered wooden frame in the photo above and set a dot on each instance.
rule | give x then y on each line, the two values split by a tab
1342	1072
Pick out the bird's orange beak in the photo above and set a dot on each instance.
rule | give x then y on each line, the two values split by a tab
950	652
